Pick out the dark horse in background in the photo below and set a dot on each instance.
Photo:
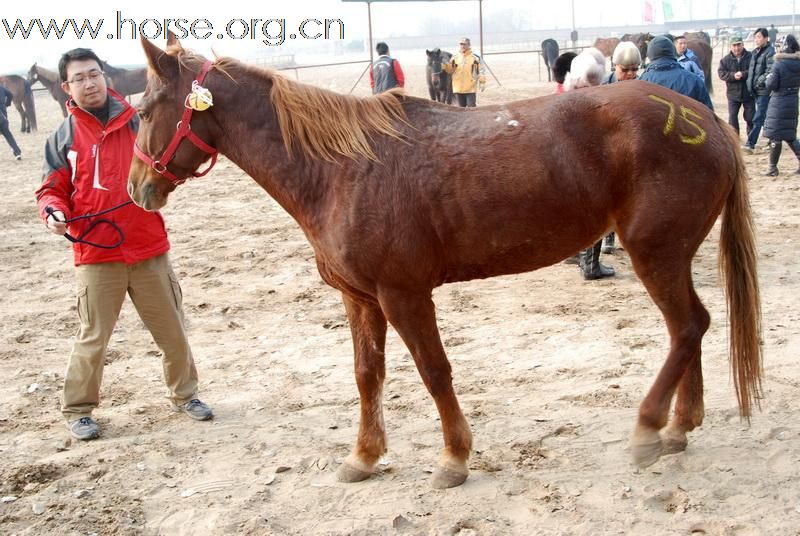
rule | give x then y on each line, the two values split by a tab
126	81
550	53
440	83
388	223
22	98
50	80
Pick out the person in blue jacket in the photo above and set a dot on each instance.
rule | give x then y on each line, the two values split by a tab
665	70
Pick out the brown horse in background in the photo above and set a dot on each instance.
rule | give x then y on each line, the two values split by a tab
22	98
52	82
389	222
705	55
126	81
606	45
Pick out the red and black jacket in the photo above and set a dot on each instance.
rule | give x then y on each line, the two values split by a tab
86	171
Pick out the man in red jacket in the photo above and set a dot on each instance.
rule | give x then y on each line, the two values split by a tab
86	172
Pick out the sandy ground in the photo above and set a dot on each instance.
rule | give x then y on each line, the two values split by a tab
549	370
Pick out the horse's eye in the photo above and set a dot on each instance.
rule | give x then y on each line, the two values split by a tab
144	115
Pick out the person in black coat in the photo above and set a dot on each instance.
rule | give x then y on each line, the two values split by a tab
781	122
733	71
5	102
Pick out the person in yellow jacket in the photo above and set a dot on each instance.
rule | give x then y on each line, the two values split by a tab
467	72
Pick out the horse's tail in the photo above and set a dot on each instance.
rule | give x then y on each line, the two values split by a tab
30	106
737	264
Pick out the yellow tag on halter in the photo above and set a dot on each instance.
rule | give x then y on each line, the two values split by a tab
200	98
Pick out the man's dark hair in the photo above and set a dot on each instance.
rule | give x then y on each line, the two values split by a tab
76	54
763	32
382	48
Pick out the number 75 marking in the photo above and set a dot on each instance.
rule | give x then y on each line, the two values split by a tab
687	114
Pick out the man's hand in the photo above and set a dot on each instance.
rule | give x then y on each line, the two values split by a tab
55	222
738	75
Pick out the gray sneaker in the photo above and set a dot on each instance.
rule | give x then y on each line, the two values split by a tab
195	409
84	428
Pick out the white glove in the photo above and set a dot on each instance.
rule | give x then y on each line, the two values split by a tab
55	222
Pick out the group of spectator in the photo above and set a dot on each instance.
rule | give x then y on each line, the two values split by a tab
765	84
465	68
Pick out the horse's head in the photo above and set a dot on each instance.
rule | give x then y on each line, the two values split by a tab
33	74
435	59
175	137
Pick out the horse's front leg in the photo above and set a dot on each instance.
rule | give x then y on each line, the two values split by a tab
368	327
414	318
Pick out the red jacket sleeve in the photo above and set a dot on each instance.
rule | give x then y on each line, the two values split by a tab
371	79
56	188
398	73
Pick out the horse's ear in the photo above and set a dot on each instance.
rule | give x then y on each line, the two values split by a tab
172	40
162	64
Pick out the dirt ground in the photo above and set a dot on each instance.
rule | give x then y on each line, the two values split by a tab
549	370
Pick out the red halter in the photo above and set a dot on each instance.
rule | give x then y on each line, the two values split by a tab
183	130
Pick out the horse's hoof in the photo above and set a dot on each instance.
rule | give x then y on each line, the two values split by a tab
348	472
448	476
674	440
646	454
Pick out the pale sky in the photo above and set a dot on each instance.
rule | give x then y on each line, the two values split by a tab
18	54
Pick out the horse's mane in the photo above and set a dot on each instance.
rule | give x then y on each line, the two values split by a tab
321	123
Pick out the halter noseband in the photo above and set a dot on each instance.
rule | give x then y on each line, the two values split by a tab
183	130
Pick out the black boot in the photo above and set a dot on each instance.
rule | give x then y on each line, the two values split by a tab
774	156
590	263
608	243
795	145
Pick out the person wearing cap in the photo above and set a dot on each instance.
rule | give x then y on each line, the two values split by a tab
761	62
467	72
626	60
586	70
732	70
781	122
665	70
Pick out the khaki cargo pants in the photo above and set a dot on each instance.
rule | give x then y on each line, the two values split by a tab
156	294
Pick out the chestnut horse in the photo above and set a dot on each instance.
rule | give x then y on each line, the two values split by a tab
398	195
22	98
52	82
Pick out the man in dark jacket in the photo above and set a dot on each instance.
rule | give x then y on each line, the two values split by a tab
665	70
85	172
386	72
760	66
5	102
733	70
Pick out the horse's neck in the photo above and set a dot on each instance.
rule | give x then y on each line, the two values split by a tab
47	78
297	183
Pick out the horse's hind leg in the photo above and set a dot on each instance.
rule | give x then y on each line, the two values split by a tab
368	328
414	318
667	277
689	408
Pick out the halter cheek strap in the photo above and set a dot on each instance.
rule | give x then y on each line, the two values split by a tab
183	130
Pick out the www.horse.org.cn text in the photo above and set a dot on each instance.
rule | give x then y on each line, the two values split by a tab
271	32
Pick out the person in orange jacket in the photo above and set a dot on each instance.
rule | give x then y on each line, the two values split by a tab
467	72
